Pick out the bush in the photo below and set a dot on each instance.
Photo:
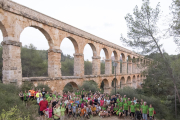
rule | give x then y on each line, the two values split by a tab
27	86
10	98
162	111
41	86
89	85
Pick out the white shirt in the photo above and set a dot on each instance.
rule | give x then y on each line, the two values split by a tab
39	99
108	101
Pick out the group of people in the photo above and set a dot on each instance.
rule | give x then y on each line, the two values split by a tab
83	104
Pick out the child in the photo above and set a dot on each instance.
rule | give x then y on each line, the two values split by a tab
79	110
120	112
74	109
115	109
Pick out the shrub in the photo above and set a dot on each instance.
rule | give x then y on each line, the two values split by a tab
27	86
41	86
10	98
89	85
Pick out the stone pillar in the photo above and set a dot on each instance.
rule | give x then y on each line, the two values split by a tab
54	63
12	70
124	67
118	67
78	64
96	65
129	67
108	66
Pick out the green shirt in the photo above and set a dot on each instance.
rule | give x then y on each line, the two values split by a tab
49	99
144	109
120	104
25	96
120	110
63	109
118	100
59	96
103	108
46	96
124	99
132	108
151	110
129	103
57	112
115	108
125	106
137	106
54	96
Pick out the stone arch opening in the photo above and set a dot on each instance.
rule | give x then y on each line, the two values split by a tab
104	85
138	81
114	58
122	59
113	83
122	82
71	87
128	82
134	82
34	54
89	53
104	55
69	47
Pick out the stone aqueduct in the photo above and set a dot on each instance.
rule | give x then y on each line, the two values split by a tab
14	18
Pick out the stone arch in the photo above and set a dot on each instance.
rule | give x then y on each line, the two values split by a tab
44	32
113	82
106	83
75	43
115	55
123	57
73	84
134	59
3	30
128	82
129	58
106	52
122	82
93	47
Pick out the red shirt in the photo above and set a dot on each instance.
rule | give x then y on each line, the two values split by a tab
43	105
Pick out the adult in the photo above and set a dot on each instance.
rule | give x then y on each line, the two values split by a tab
32	92
43	92
43	105
151	112
63	109
88	111
125	107
56	112
21	95
144	111
38	94
25	95
132	109
95	101
48	111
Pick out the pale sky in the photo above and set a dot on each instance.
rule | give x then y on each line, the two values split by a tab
103	18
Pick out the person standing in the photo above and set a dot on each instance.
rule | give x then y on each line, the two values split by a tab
43	105
63	109
57	112
21	95
43	92
132	109
25	97
144	111
125	107
151	112
32	97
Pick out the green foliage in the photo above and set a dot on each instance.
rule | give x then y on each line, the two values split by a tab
41	86
161	109
67	65
10	103
89	85
87	68
32	63
13	114
68	87
27	86
102	67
